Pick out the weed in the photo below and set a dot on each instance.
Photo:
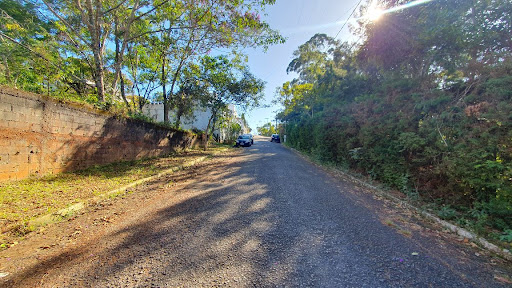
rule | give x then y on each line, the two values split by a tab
390	223
447	213
25	200
404	232
506	236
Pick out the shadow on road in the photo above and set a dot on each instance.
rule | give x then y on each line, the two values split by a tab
263	218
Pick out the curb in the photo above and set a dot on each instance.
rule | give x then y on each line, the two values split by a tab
77	207
505	253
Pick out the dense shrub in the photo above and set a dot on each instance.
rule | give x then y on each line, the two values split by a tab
454	151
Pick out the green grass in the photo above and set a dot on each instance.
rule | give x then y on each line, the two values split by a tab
25	200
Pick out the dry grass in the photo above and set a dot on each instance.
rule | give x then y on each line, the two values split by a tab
25	200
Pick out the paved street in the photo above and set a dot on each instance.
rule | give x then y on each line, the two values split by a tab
265	218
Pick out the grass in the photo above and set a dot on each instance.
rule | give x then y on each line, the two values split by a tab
25	200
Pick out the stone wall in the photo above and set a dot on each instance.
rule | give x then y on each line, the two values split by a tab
40	136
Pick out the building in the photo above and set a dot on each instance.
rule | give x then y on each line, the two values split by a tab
199	119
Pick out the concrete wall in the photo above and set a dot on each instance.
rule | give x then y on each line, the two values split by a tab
40	136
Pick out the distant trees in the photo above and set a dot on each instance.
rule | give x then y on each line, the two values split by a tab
105	50
267	129
421	103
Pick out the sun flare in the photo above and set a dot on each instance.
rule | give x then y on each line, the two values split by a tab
374	13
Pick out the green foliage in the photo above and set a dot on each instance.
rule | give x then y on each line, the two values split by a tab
422	105
141	117
128	47
267	129
447	213
506	236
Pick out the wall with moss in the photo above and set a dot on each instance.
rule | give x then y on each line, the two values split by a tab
41	136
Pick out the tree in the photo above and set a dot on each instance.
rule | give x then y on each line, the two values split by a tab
312	58
181	30
267	129
209	25
296	97
26	48
227	82
421	104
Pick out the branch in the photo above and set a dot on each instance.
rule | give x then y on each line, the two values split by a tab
114	8
2	34
161	30
65	23
150	10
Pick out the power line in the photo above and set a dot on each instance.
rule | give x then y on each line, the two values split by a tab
346	21
301	12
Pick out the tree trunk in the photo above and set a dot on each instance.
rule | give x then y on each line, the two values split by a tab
99	75
7	70
125	30
206	135
118	60
166	101
93	20
123	93
179	113
174	79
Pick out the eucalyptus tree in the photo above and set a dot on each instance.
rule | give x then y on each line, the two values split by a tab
312	59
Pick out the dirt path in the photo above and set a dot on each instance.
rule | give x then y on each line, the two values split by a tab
259	216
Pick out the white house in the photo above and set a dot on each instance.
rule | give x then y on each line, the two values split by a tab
199	120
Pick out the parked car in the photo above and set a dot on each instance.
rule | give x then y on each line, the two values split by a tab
275	138
244	140
250	136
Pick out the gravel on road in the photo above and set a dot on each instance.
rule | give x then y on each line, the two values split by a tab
257	217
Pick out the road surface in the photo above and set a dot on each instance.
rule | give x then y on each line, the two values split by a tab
264	217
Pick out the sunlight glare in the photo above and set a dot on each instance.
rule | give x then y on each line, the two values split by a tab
374	13
379	12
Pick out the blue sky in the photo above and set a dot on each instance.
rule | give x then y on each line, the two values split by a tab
298	21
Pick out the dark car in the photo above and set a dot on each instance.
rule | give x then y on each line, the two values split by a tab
275	138
244	140
250	136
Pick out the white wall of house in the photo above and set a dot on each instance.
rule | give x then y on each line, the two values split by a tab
199	120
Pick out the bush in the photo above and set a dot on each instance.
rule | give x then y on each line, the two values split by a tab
448	148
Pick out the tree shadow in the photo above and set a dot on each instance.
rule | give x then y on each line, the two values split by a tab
121	140
255	227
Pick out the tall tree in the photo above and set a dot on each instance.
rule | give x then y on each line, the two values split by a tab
227	82
212	25
311	59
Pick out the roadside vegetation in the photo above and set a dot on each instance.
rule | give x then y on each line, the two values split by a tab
267	129
120	56
421	103
23	201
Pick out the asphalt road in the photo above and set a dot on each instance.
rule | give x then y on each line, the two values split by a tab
268	218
